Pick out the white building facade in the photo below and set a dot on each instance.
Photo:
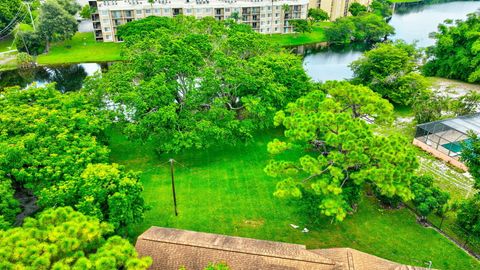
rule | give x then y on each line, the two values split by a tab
336	8
264	16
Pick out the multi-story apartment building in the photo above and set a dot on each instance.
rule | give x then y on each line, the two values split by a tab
265	16
336	8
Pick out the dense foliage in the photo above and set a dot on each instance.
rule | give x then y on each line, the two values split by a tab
390	70
317	15
9	206
70	6
382	8
427	197
197	83
468	215
470	154
47	143
30	42
456	53
10	11
435	105
64	239
365	27
335	150
55	23
300	26
356	8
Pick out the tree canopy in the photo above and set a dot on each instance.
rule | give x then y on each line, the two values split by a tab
427	197
48	143
197	83
10	11
382	8
64	239
317	15
333	150
70	6
55	23
390	70
365	27
456	53
470	154
356	8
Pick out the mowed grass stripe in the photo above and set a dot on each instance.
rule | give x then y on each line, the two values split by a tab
224	190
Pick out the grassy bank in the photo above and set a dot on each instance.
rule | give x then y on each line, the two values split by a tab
7	44
82	48
224	190
316	36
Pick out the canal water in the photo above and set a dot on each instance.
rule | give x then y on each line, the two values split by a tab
412	23
67	77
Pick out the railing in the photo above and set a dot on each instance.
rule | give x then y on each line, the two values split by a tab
456	234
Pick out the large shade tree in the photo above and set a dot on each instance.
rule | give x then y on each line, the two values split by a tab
197	83
64	239
365	27
390	70
331	151
55	23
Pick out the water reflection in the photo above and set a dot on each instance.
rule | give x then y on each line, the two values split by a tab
67	77
412	22
331	63
415	22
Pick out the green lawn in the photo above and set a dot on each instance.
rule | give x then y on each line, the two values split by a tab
6	44
225	191
316	36
82	48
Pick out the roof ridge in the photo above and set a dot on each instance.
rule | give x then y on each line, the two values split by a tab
304	254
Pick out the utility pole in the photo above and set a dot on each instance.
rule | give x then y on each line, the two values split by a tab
173	185
30	12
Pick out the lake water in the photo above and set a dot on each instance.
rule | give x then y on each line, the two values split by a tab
414	23
67	77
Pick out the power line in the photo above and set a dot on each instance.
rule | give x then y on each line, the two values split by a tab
10	30
13	20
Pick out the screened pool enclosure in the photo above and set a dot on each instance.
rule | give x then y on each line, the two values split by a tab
445	138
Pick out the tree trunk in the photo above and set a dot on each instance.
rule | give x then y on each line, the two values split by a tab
47	46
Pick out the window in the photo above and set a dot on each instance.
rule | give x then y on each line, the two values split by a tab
106	21
198	10
166	11
189	10
276	29
139	12
106	29
148	11
227	10
108	37
156	11
276	14
116	14
104	12
208	10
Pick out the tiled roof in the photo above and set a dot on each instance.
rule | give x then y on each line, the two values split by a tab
173	248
